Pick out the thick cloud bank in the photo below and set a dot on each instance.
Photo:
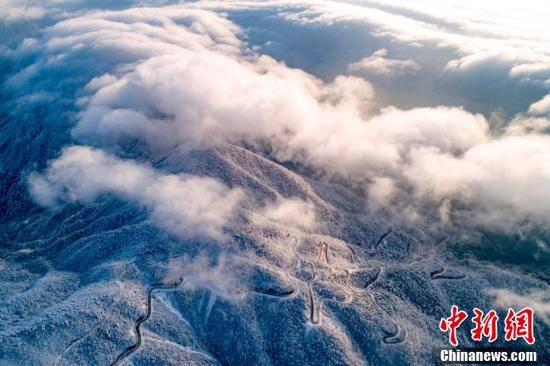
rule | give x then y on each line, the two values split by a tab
182	76
203	98
187	206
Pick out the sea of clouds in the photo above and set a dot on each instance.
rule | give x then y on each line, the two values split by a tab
473	146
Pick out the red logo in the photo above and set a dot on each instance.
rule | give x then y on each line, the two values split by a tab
519	325
452	323
516	325
485	326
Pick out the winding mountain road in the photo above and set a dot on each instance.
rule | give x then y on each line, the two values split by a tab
143	318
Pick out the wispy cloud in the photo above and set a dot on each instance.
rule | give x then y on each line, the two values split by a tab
379	63
539	301
187	206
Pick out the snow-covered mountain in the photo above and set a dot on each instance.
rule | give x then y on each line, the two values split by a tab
286	183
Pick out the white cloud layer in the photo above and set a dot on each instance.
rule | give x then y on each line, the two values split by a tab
180	76
10	13
514	35
187	206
